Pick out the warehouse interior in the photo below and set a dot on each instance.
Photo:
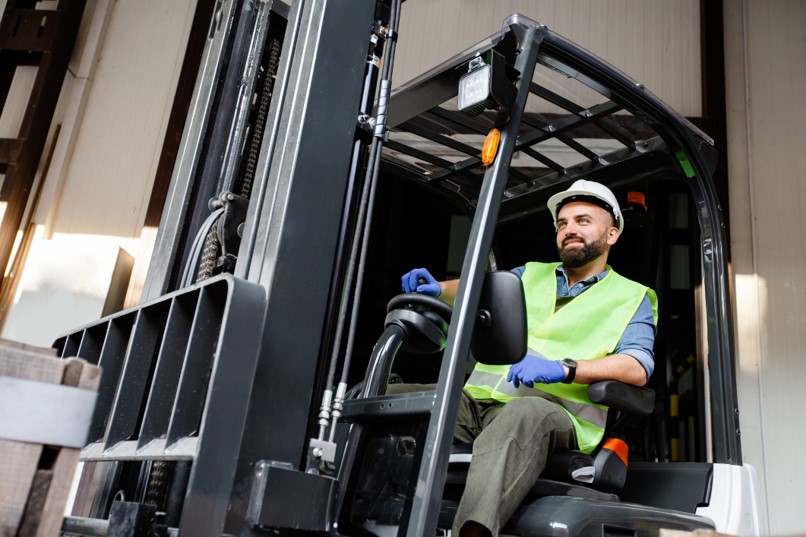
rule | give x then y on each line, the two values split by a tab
80	239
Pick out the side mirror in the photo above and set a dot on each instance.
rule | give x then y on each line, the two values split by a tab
499	337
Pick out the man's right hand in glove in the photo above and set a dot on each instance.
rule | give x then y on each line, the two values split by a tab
420	281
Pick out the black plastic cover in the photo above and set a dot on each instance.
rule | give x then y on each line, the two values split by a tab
632	400
565	516
499	337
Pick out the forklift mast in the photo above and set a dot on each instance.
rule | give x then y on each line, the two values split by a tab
224	405
276	152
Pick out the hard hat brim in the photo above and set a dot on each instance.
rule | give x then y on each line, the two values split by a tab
559	199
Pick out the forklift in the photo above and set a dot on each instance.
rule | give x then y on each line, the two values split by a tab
246	394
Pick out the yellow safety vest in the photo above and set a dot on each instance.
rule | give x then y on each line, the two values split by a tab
588	327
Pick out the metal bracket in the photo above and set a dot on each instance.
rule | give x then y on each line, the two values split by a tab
278	491
322	449
235	208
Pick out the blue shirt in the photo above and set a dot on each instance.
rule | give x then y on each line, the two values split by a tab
638	338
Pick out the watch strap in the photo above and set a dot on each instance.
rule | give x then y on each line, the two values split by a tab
572	370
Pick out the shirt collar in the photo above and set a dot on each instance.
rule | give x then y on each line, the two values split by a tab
590	281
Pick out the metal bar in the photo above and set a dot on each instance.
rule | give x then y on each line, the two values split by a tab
137	369
570	123
199	350
92	341
226	130
105	479
229	133
431	478
518	175
386	407
459	119
561	127
422	155
554	98
324	54
169	366
180	194
544	159
112	357
615	132
71	345
564	138
438	138
574	108
93	527
214	496
436	86
381	360
290	206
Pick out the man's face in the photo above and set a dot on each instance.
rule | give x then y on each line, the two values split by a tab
585	232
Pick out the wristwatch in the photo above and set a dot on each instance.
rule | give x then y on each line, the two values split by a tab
572	370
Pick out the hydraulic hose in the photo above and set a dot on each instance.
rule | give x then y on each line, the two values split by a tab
370	81
367	204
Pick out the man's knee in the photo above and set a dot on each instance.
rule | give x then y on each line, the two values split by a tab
531	408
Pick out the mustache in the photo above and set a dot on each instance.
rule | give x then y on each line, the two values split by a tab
570	238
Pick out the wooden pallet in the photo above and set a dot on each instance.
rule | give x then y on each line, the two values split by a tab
35	478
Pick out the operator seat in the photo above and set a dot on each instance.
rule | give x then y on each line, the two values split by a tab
601	474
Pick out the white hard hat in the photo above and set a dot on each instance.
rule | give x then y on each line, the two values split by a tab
589	191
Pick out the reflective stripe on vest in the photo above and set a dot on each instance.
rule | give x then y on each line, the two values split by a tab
506	391
588	327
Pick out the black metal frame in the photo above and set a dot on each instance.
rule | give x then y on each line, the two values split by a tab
176	377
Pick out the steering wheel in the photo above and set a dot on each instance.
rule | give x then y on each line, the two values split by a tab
417	299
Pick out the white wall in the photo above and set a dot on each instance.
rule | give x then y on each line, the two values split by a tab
656	42
108	183
113	111
766	91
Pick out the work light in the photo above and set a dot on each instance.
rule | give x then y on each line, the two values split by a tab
485	85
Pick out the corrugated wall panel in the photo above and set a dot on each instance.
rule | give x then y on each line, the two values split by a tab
656	42
109	179
766	89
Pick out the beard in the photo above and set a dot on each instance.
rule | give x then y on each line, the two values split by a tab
579	257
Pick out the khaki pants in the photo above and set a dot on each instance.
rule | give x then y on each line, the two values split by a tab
510	446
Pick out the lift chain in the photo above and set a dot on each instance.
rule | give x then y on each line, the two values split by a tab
260	118
210	253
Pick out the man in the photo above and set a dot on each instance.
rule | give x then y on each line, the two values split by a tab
585	324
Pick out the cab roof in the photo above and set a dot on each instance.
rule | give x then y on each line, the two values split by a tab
583	118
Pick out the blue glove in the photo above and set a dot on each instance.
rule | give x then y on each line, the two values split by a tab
419	280
535	368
